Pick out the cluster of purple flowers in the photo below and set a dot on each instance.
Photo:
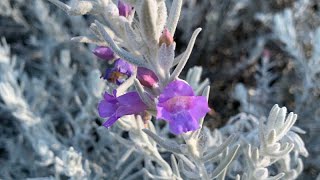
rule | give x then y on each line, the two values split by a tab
175	103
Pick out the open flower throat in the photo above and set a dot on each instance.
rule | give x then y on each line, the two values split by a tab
179	106
180	103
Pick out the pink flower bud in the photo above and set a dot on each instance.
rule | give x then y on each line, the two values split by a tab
166	38
266	53
146	77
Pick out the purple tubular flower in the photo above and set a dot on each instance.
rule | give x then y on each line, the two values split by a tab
179	106
124	9
113	107
103	52
124	67
120	72
147	77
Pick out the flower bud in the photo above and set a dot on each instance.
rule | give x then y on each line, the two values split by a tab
103	52
266	53
124	9
166	37
146	77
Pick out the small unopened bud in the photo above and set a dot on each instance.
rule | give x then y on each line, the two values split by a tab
147	78
166	37
266	56
124	9
103	52
266	53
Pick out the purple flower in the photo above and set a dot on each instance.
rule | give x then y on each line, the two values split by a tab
147	77
113	107
179	106
120	72
103	52
124	9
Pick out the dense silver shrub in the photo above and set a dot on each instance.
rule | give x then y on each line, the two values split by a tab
49	107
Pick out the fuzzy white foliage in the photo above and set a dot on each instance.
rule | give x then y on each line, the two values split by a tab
292	29
73	92
273	141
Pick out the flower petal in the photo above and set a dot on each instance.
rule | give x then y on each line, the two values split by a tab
162	113
176	88
110	121
183	122
178	103
106	109
124	67
199	107
108	73
110	98
130	103
116	107
129	110
131	99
